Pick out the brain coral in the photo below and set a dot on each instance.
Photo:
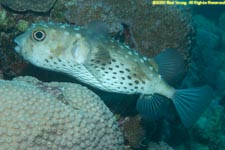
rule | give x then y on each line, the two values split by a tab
36	115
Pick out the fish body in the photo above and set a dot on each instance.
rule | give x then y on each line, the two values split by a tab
105	64
97	60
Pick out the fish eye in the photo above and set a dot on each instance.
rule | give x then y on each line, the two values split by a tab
39	35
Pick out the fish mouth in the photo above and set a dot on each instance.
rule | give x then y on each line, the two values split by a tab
18	46
17	49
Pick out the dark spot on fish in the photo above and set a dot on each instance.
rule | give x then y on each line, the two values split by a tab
114	77
117	66
98	61
121	64
59	60
68	62
125	87
46	60
103	64
114	72
121	82
136	81
55	62
128	70
130	84
63	64
118	87
143	82
106	72
113	60
122	78
92	60
129	77
111	84
102	68
135	74
95	66
110	68
50	57
136	87
121	71
132	89
142	88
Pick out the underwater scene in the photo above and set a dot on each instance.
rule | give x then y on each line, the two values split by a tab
112	75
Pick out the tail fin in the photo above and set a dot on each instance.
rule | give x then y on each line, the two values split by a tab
190	103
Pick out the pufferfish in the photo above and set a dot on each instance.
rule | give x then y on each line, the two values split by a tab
92	57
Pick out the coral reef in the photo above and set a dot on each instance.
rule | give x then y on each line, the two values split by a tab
22	25
207	65
24	5
37	115
6	22
11	64
132	130
209	129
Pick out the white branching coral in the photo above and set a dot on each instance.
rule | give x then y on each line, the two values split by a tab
63	116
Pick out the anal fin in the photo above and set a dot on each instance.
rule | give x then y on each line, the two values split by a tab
151	107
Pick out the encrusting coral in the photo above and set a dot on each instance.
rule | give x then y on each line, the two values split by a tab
36	115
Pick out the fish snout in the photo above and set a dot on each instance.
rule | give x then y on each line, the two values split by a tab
18	41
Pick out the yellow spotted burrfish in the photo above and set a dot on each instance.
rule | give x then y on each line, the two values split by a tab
92	57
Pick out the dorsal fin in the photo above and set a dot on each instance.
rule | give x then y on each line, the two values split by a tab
170	65
97	30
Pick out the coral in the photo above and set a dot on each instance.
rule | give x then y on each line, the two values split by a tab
10	63
209	129
24	5
207	65
132	130
37	115
22	25
6	21
3	19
